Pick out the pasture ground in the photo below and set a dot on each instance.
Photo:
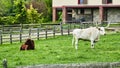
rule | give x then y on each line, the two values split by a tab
59	50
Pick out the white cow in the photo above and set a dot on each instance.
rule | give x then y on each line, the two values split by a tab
92	34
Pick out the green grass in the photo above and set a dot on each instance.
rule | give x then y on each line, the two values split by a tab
59	50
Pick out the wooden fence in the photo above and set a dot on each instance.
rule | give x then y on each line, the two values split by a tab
20	32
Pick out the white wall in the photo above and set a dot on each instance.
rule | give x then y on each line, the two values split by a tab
94	2
116	2
60	3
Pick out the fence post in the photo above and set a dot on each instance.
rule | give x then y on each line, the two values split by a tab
38	33
80	25
11	36
20	34
61	28
30	33
2	27
70	25
54	31
0	36
46	33
4	63
74	25
68	29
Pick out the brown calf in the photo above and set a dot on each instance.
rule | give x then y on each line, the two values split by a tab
28	45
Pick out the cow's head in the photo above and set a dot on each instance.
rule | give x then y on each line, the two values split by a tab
101	30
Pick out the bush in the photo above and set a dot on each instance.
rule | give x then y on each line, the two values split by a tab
7	20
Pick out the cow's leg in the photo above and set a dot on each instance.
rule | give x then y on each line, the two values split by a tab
76	43
73	40
92	43
97	39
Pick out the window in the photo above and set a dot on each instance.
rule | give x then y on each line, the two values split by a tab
106	1
109	1
82	1
82	11
103	1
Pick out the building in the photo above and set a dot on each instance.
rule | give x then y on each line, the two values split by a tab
89	10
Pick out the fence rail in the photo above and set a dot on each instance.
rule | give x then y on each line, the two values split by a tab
20	32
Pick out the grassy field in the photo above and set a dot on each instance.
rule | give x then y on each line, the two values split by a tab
59	50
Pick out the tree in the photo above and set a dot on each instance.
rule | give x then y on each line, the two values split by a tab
20	11
5	7
49	9
43	7
5	12
33	15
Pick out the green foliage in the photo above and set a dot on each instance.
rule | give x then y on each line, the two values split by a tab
7	20
59	50
19	11
5	7
44	7
33	15
5	10
60	16
49	9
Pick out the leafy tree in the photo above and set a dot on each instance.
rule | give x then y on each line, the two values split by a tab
49	9
20	11
40	6
43	7
5	7
5	10
7	20
33	15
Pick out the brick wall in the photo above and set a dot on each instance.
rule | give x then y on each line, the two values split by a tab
114	15
96	15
